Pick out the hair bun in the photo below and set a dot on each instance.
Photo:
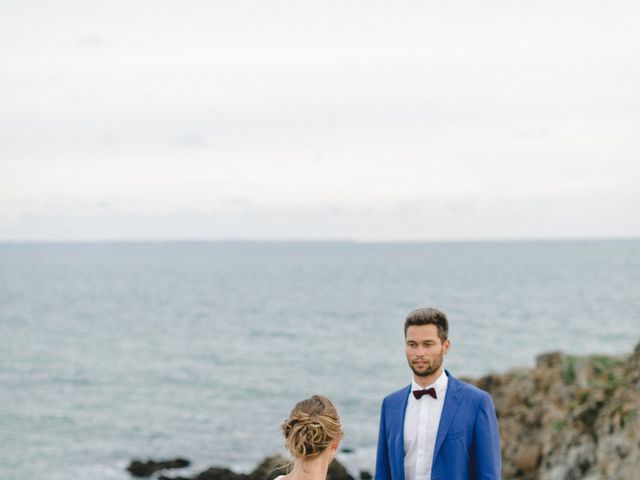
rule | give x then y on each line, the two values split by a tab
311	427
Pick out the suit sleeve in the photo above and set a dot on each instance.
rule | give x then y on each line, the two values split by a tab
383	467
486	442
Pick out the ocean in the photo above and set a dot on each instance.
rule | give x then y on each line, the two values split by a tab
115	351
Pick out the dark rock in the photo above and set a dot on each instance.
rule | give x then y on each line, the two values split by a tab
622	450
148	468
364	475
550	359
270	468
528	458
338	472
218	473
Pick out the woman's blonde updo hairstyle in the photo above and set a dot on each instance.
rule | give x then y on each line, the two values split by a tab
311	427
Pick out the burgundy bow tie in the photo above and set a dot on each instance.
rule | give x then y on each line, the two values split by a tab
427	391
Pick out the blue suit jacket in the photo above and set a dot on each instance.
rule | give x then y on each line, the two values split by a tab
467	443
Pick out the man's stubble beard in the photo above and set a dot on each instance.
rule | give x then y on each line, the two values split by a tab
429	369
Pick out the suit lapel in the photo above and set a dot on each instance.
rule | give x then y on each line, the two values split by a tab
400	411
449	409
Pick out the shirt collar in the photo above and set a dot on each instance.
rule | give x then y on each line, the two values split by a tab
440	384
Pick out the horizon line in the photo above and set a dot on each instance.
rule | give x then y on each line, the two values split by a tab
310	240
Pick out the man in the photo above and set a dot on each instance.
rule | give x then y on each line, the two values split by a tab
438	428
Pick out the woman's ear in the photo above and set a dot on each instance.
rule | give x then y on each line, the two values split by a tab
334	447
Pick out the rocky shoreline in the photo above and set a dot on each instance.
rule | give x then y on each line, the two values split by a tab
568	418
269	469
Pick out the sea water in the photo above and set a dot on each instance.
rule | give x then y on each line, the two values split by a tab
114	351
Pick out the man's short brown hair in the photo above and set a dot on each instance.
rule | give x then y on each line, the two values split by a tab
428	316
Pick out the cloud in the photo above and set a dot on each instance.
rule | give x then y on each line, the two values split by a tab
90	40
166	110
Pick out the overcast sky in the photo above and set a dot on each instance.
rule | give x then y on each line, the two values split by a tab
295	120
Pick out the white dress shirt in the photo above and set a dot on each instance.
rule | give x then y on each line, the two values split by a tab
421	421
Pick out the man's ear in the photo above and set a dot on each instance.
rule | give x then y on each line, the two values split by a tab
446	345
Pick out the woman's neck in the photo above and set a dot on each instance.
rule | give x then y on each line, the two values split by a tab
315	469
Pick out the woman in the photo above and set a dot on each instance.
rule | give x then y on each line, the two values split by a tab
312	434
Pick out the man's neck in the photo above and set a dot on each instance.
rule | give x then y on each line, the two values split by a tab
429	380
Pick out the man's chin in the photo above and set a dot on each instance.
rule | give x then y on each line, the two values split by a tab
425	372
